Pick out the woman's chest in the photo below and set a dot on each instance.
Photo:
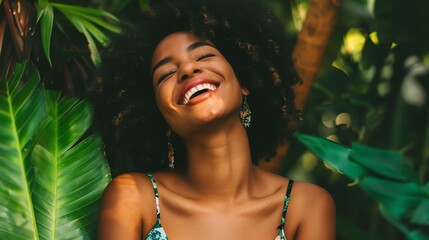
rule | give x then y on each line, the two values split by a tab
248	221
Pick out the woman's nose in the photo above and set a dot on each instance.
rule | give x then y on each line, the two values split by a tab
188	70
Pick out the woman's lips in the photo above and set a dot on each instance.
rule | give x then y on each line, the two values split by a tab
196	89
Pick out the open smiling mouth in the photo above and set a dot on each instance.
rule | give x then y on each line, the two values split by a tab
198	90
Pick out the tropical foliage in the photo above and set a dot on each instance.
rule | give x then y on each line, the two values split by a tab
82	18
60	39
386	176
53	172
53	168
370	96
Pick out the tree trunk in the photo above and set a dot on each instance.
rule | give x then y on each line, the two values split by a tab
17	28
308	55
312	41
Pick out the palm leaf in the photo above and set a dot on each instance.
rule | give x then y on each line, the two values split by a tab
93	15
71	173
22	109
46	16
84	10
51	176
83	19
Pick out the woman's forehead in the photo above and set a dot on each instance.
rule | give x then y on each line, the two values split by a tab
177	40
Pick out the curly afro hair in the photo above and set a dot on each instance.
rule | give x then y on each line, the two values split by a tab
250	37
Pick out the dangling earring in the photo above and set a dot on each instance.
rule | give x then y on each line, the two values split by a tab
170	151
245	113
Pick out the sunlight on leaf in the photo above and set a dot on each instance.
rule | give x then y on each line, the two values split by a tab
22	109
52	173
353	43
70	171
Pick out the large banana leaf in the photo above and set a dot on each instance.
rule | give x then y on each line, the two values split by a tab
384	175
49	189
70	175
22	110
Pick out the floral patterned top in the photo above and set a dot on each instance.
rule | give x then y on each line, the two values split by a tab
157	232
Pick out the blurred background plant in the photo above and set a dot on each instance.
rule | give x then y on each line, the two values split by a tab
371	88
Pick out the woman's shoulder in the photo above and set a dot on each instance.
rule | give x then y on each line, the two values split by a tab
309	193
130	184
129	191
127	202
312	210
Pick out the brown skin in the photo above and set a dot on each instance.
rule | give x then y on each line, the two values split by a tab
221	195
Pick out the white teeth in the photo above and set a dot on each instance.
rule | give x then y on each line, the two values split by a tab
197	88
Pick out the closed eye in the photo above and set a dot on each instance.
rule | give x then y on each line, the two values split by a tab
165	76
204	56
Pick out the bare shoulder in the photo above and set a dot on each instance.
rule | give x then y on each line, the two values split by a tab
311	196
312	211
126	189
126	203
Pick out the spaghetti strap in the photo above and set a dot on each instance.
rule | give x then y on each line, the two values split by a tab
157	232
285	206
155	190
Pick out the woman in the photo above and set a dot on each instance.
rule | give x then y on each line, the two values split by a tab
208	89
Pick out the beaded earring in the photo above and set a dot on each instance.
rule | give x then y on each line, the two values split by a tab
245	113
170	151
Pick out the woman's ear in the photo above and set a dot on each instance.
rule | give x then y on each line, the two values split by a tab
245	91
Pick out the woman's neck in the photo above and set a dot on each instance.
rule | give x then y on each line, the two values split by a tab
219	163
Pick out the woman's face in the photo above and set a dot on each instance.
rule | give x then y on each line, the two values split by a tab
194	84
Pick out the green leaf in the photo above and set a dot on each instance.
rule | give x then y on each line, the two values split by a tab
88	16
418	234
412	234
82	18
334	154
22	110
385	176
421	215
388	163
98	21
95	55
84	10
94	31
51	190
399	198
71	172
46	23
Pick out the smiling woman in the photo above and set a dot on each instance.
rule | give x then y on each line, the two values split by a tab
195	86
204	88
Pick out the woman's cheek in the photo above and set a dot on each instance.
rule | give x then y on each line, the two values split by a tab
164	99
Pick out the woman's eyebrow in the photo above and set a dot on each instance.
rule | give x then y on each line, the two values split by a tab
198	44
191	47
160	63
